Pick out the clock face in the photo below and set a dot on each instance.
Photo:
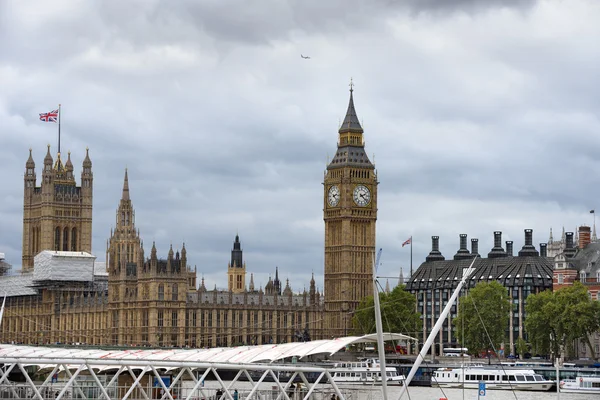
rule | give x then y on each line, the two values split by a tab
333	196
361	195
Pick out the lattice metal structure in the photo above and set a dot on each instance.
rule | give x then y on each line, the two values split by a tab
136	373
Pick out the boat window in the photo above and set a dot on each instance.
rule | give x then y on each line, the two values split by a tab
504	377
479	377
539	378
596	384
530	378
511	378
520	378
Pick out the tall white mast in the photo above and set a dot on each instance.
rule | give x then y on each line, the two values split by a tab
379	327
438	325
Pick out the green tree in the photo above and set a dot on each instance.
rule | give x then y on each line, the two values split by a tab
398	313
522	347
540	319
558	318
483	316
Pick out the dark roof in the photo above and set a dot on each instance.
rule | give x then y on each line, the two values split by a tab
587	259
351	123
509	271
352	156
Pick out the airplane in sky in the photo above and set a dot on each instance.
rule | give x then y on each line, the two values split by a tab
305	57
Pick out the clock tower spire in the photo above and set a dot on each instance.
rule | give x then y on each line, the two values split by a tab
350	214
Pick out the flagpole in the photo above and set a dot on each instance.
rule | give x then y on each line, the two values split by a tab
59	129
411	268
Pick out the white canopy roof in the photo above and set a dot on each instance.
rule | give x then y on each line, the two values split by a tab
267	353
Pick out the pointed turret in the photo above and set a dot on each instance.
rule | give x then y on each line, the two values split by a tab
153	252
563	238
351	123
171	252
125	195
251	286
594	237
30	163
87	163
48	160
69	164
288	290
551	239
29	175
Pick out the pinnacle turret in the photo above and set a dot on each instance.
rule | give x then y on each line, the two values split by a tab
87	163
69	164
125	195
48	159
30	164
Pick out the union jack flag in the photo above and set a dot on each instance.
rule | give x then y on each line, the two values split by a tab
51	116
408	241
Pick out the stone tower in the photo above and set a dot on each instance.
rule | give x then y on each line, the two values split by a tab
146	302
57	215
350	214
236	270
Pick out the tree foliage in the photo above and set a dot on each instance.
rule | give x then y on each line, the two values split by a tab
555	319
483	316
398	313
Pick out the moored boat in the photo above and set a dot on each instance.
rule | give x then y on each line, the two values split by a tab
365	372
581	384
469	377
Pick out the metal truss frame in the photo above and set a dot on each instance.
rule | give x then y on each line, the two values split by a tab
185	369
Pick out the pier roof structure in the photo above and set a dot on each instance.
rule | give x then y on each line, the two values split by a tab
143	364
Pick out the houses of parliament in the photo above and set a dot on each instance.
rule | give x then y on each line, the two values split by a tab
136	299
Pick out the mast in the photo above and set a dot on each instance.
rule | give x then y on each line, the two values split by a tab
379	327
438	325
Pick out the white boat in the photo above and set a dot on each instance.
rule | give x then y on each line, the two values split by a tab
468	377
365	372
581	384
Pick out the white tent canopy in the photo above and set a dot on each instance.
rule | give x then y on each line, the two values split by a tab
267	353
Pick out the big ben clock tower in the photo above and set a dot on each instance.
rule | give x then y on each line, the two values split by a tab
350	214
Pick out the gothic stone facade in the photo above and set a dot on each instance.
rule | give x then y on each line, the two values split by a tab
143	301
57	215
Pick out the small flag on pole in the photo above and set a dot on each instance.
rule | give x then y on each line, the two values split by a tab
51	116
407	241
592	211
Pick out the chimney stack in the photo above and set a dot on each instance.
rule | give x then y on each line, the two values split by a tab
463	252
497	251
543	250
570	249
528	248
474	247
435	254
509	248
585	233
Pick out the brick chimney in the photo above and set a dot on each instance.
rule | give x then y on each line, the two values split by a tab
474	247
585	234
543	250
497	251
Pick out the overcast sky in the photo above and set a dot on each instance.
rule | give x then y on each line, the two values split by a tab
478	118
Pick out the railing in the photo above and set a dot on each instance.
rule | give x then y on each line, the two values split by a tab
23	391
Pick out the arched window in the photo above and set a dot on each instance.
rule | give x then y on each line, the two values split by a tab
161	292
65	243
174	293
57	239
74	239
582	276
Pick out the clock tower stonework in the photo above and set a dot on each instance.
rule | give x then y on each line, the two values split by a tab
350	215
